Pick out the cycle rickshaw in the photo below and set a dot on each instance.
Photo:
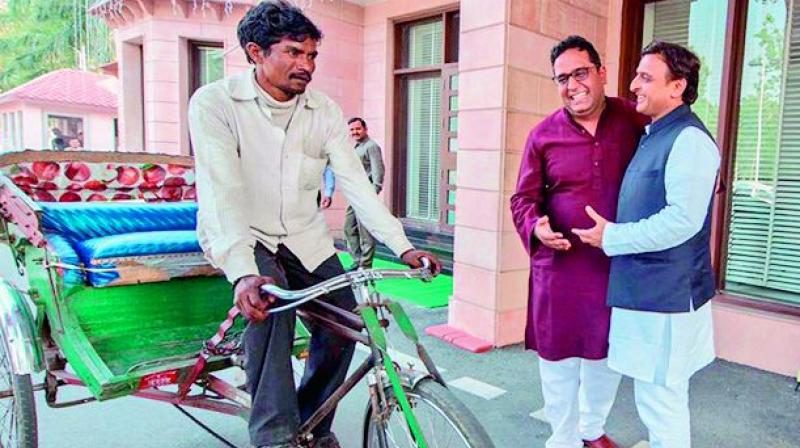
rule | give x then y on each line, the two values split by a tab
115	296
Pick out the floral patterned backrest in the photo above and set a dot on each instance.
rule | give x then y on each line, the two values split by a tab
164	179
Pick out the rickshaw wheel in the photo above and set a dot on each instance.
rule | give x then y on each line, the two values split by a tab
17	412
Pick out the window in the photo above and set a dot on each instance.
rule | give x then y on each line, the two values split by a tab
423	139
207	64
450	141
757	123
423	44
700	26
763	246
427	137
5	136
115	125
65	132
19	132
11	137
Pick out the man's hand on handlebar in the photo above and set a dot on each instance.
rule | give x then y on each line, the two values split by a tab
247	296
414	258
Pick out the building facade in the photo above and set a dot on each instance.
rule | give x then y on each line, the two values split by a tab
63	105
451	88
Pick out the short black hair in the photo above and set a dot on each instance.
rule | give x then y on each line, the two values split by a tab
270	21
354	119
577	42
682	64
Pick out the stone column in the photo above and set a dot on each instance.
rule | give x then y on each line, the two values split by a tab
163	88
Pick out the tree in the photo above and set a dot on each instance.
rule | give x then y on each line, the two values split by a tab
757	147
707	110
38	36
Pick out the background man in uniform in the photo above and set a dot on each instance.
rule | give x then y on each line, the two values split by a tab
359	240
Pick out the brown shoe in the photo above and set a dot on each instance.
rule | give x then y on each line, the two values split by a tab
603	442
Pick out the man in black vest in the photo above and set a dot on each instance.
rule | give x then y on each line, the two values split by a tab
661	278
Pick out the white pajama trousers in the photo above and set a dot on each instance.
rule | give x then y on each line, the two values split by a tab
664	410
578	395
661	351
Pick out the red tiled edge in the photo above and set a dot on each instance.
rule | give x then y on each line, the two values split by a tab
69	86
459	338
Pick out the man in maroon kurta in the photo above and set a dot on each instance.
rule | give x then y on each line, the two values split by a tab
574	157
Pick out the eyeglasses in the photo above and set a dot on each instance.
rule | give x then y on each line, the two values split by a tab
580	74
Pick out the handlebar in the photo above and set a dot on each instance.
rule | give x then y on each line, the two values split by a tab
355	278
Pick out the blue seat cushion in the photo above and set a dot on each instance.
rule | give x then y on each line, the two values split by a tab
125	242
137	244
66	254
120	259
83	221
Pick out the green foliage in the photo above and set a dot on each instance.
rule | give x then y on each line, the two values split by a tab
760	115
38	36
706	110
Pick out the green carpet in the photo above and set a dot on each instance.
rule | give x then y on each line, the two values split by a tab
429	295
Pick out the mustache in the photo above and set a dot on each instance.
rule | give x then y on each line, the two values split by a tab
304	75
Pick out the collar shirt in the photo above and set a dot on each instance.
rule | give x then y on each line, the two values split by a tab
370	155
258	181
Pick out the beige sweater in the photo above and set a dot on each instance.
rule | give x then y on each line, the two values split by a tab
257	182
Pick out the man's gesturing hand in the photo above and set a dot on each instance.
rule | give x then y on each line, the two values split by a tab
545	234
593	236
247	296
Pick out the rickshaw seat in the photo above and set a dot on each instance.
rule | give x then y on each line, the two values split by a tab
126	242
66	254
80	221
138	243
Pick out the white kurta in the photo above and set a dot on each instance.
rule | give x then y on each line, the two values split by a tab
660	348
667	348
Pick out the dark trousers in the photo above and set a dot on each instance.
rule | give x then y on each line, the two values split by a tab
278	409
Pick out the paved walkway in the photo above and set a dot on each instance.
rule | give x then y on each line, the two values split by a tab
733	406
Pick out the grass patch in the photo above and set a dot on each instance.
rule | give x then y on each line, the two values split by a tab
429	295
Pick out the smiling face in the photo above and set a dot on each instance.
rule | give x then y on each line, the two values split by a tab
286	68
582	98
657	94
